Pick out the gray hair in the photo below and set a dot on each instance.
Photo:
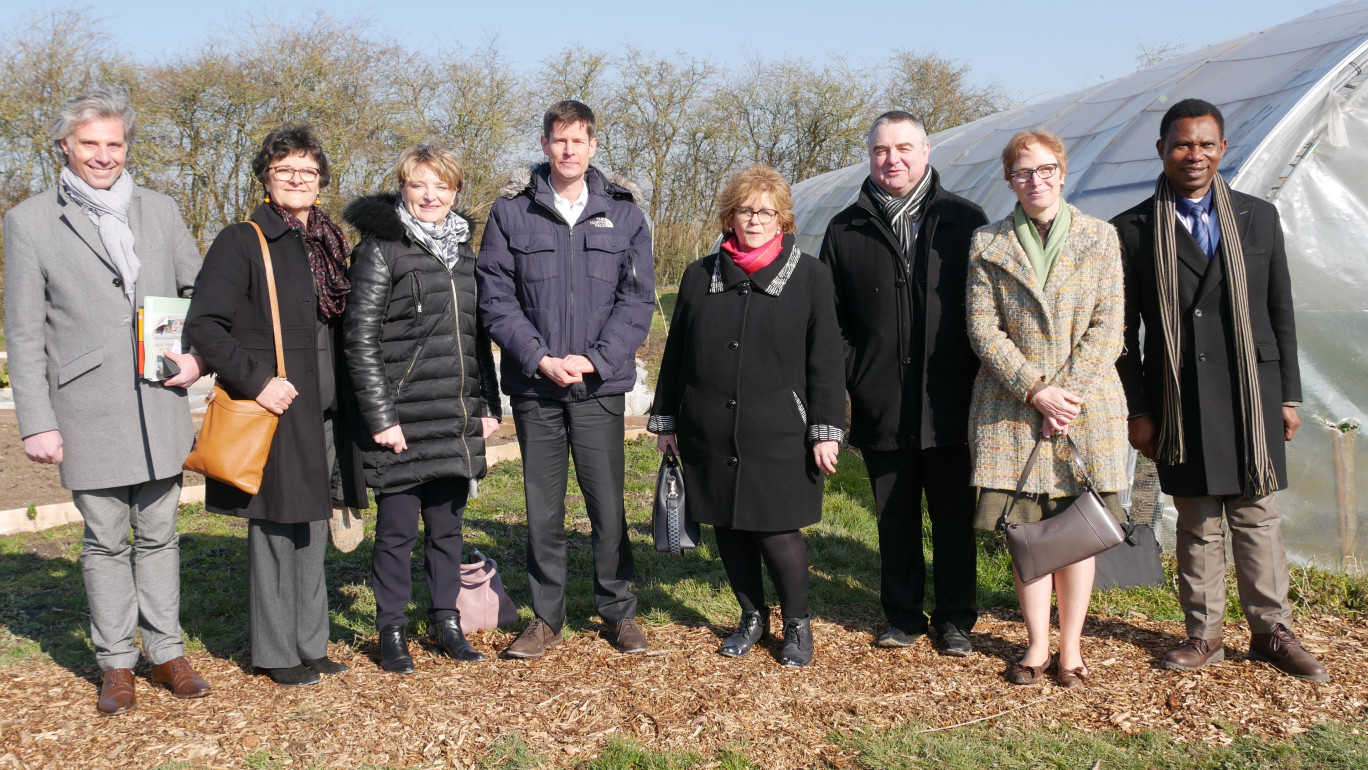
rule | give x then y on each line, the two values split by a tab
93	105
894	116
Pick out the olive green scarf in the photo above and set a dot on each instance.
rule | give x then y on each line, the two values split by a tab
1043	256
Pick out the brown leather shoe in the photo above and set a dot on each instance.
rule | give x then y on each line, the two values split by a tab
1193	654
116	692
626	635
1072	677
1282	649
181	678
533	641
1020	673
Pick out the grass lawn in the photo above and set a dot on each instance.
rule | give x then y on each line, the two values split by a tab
42	619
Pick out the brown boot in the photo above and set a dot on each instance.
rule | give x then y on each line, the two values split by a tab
116	692
533	641
1193	654
1282	649
181	678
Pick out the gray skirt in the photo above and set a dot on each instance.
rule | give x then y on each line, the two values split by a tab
1032	507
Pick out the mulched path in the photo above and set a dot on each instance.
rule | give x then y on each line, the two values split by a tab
681	697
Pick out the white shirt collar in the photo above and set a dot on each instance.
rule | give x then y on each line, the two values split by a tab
571	210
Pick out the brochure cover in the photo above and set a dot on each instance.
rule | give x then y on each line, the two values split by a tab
163	327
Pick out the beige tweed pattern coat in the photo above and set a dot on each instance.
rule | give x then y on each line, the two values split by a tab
1069	333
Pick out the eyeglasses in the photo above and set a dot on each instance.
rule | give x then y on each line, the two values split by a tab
1023	175
285	174
763	216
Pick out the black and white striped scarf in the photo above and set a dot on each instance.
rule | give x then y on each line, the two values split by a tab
1261	478
902	214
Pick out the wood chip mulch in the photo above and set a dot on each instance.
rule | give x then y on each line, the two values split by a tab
680	697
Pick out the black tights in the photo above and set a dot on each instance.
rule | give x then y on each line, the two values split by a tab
784	553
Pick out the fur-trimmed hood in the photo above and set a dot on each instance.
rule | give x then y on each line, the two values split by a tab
613	185
374	217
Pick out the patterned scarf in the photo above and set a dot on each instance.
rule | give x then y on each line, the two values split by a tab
108	211
328	250
1260	477
902	214
444	240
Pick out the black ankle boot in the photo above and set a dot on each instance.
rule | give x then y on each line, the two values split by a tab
752	628
394	654
797	649
446	633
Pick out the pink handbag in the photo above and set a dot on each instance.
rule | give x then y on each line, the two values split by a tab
482	602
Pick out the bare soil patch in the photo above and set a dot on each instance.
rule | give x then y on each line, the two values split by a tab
682	697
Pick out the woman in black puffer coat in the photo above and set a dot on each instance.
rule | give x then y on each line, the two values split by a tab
425	387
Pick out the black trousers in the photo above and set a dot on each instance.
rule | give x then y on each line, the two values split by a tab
441	504
898	478
549	432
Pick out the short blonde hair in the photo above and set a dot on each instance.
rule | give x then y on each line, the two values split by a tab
749	182
1023	139
441	160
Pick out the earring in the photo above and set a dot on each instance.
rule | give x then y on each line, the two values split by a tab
268	197
318	202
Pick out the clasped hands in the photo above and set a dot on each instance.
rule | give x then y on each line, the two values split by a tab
1059	407
566	371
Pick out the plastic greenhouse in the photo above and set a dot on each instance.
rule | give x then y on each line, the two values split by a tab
1297	125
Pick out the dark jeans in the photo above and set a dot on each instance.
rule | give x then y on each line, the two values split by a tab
548	433
898	478
441	504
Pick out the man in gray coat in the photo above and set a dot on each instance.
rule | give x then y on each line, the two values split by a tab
79	259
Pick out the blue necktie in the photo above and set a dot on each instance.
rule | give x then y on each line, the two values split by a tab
1201	232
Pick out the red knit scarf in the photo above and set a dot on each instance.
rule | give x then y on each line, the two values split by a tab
750	261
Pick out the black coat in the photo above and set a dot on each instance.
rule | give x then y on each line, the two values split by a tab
230	326
750	374
1212	425
415	353
908	364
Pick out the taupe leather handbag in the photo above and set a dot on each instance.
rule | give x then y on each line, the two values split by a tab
1084	529
235	440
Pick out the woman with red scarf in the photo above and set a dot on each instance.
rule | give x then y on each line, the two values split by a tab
312	464
750	396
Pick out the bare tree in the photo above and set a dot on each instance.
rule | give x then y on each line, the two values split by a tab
1153	52
938	91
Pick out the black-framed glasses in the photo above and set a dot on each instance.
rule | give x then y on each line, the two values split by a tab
763	216
1023	175
286	173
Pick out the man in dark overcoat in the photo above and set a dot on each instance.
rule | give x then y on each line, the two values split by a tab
79	259
567	288
1213	394
899	256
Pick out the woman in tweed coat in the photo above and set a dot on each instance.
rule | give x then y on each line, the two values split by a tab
1045	313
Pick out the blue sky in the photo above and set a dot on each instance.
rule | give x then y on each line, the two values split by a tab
1052	48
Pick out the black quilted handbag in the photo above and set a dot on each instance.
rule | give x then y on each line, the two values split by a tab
673	531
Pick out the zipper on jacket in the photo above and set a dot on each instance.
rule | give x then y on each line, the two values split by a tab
417	293
570	300
460	356
412	361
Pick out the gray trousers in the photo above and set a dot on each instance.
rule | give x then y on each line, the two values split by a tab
132	587
1260	562
287	601
548	432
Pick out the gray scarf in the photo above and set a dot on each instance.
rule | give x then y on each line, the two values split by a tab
444	240
108	211
902	214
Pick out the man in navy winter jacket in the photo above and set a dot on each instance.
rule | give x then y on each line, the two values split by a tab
567	288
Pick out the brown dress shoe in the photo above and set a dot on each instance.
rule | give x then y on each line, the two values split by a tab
1072	677
1020	673
181	678
1282	649
116	692
533	641
1193	654
626	635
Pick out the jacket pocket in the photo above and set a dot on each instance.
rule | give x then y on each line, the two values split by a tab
802	410
534	256
79	365
416	287
605	254
1268	352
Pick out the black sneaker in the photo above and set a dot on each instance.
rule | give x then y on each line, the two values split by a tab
294	676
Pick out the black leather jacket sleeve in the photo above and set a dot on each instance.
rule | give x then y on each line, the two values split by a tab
361	327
